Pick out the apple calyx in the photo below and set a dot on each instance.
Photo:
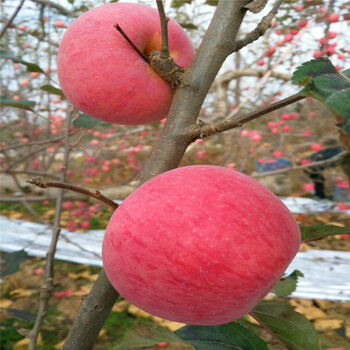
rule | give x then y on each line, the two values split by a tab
163	64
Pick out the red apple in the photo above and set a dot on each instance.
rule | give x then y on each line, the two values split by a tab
102	75
316	147
333	17
199	244
318	53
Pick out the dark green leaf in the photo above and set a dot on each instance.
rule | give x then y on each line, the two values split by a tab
188	25
319	231
230	336
339	101
145	336
21	314
346	73
179	3
322	81
87	122
212	2
22	104
52	90
31	67
290	327
287	285
12	261
312	69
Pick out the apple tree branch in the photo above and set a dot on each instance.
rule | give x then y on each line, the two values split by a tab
202	131
260	29
37	181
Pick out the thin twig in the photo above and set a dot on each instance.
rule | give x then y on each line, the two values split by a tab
142	55
261	28
37	181
35	143
202	132
165	53
298	167
268	330
9	22
47	285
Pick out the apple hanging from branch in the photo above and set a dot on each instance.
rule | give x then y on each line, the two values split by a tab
103	76
199	244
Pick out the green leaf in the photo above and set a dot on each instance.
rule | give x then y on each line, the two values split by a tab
319	231
188	25
290	327
312	69
179	3
52	90
31	67
21	314
287	285
346	73
212	2
87	122
22	104
230	336
322	81
13	261
146	336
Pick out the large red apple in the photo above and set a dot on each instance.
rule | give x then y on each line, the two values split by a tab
103	76
199	245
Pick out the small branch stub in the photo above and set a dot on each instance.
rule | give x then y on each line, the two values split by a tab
37	181
163	64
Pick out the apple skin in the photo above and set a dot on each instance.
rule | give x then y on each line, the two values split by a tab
199	245
103	76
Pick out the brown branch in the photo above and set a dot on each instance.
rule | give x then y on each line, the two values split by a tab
298	167
261	28
37	181
268	331
165	53
9	22
57	7
93	313
249	72
35	143
141	54
47	285
197	131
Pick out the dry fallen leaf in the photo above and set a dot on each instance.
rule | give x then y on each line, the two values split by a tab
120	306
173	326
5	303
23	343
314	313
21	293
322	325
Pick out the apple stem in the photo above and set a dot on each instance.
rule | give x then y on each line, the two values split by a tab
273	335
164	65
37	181
165	53
121	31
